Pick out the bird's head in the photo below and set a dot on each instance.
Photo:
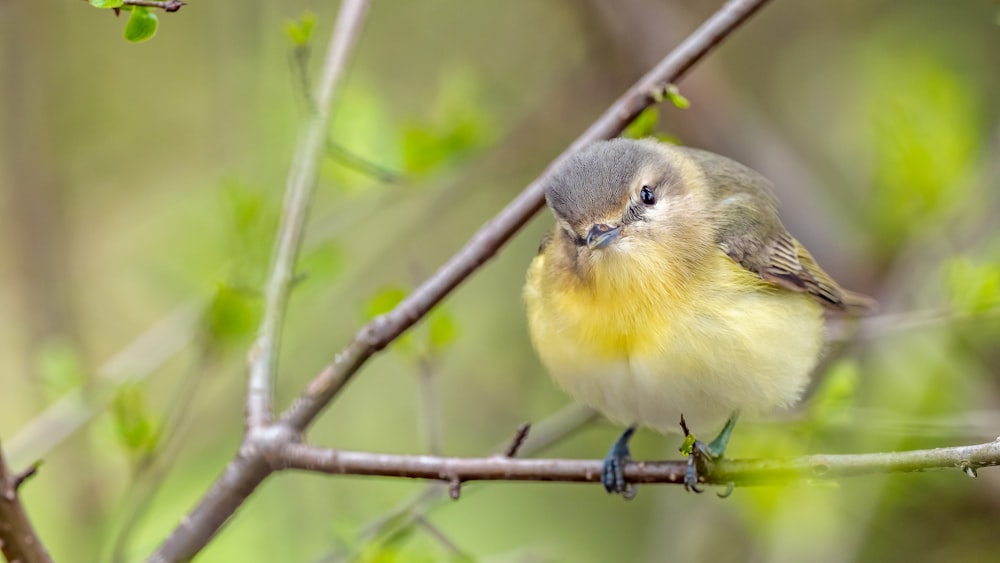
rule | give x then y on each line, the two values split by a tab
630	205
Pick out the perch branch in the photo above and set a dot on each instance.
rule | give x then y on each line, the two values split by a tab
739	472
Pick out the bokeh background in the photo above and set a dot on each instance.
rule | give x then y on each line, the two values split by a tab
141	184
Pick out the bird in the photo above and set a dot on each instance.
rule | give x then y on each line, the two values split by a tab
669	290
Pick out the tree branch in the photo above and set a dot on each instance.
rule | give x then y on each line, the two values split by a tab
263	358
248	469
18	541
739	472
377	334
165	5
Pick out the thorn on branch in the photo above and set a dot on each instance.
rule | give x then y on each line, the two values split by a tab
23	476
519	437
969	470
455	488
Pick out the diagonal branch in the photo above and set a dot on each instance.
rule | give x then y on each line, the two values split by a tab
263	358
484	244
738	472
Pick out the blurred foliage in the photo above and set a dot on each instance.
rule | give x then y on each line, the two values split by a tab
876	122
300	31
133	422
457	126
973	287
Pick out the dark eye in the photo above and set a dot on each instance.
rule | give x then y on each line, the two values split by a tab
647	196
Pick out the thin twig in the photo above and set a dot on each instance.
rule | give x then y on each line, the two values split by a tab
551	430
166	5
18	540
519	437
484	244
248	469
263	357
740	472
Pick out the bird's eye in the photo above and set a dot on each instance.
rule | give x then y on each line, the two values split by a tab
647	196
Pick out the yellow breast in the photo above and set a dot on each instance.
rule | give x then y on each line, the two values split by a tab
643	345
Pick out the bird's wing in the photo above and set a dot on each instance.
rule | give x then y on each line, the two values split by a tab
783	261
750	232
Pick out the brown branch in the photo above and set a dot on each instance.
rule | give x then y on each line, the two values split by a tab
166	5
484	244
248	469
18	540
740	472
263	357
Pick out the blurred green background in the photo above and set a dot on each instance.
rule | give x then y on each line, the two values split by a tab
142	184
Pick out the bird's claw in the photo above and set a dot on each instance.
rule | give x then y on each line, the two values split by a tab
613	471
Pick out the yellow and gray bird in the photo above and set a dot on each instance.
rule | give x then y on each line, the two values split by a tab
669	288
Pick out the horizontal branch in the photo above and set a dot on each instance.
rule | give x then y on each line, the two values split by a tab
739	472
165	5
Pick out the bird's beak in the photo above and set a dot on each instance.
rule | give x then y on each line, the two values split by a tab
601	235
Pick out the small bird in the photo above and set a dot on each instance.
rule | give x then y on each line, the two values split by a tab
669	290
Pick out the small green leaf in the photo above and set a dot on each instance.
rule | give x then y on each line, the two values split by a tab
232	315
59	365
974	288
643	125
106	3
384	301
141	25
673	94
836	393
133	422
442	330
321	263
688	446
300	31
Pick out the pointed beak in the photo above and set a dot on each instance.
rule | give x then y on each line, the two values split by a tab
601	235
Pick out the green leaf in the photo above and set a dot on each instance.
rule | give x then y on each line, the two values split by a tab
836	393
133	422
321	263
233	314
300	31
459	126
643	125
141	25
59	365
384	301
442	330
673	94
106	3
973	288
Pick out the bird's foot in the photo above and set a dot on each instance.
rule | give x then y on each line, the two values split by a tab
613	472
699	455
